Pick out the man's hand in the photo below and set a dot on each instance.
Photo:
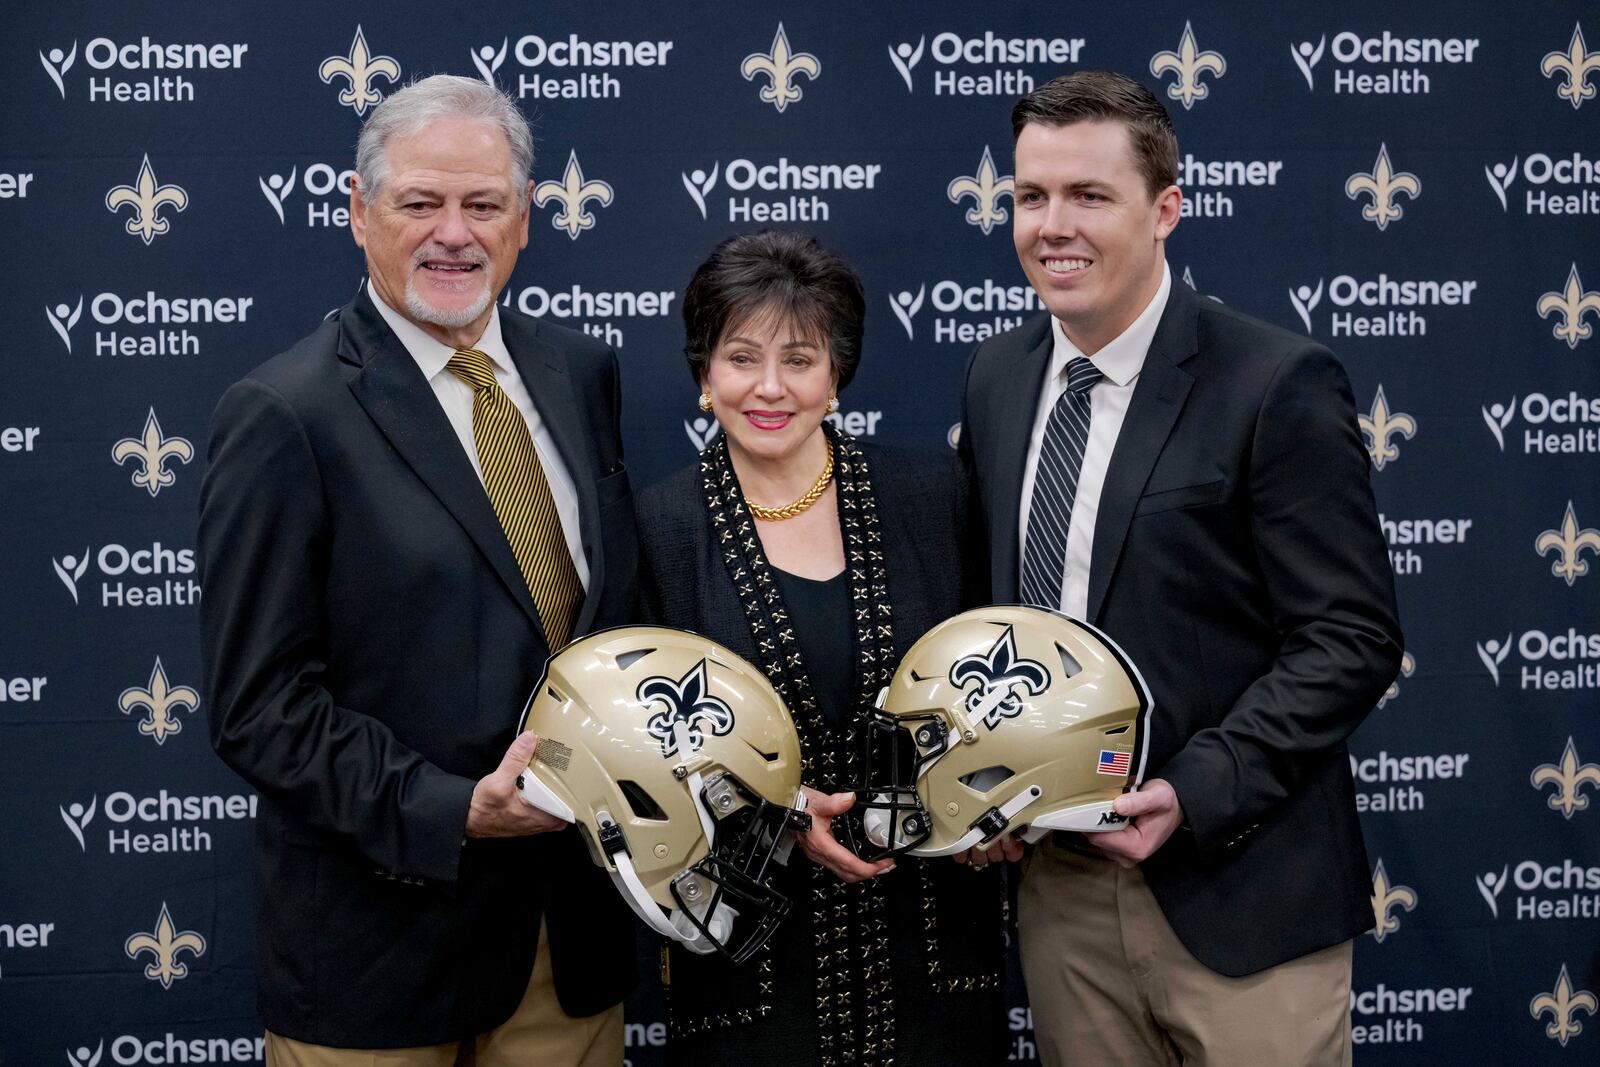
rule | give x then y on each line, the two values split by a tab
1008	848
1155	812
498	810
819	845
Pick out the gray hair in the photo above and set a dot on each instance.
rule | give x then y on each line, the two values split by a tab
438	97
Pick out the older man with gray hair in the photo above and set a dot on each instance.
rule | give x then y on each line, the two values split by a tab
404	515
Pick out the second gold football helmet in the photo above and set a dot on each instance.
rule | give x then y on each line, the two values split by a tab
1002	718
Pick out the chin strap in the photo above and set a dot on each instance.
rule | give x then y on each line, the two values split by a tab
988	826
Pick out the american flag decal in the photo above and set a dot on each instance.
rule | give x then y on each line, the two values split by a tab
1113	762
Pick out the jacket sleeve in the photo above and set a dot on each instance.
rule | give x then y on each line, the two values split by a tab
264	549
1326	576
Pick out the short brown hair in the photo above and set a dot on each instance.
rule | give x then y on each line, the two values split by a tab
1104	95
782	272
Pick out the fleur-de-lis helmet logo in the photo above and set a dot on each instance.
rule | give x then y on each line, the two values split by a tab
995	675
146	196
780	66
688	701
359	68
1188	62
986	188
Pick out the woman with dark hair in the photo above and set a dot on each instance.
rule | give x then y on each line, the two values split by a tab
820	559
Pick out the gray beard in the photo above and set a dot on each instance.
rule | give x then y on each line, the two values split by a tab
422	311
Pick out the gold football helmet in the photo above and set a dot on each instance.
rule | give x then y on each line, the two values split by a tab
1002	718
680	765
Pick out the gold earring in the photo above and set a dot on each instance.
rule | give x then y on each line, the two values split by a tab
833	404
705	400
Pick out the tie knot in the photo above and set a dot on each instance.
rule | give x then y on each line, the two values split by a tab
474	368
1081	375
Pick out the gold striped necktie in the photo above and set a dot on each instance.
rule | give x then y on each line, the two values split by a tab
520	495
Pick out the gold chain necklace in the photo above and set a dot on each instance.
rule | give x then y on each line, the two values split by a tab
811	496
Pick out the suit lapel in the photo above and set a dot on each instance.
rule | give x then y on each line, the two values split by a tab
544	371
1015	428
390	386
1157	399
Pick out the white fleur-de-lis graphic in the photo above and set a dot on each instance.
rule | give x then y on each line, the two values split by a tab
779	67
688	701
986	188
996	674
359	68
571	192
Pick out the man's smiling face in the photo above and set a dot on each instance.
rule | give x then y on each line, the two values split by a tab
443	229
1087	230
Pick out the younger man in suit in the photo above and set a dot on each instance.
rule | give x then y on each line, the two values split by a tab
1192	481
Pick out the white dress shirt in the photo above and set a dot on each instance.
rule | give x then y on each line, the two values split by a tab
1119	363
456	396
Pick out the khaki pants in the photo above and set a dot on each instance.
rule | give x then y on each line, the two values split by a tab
537	1033
1110	983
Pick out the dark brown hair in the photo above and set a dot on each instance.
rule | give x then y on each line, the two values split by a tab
1101	96
776	272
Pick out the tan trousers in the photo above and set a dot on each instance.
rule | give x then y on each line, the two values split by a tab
538	1033
1110	984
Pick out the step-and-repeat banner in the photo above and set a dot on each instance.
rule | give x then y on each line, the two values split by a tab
1416	186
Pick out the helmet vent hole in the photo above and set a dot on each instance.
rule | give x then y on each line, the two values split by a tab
769	757
643	805
1116	730
1068	664
987	778
555	695
629	658
915	677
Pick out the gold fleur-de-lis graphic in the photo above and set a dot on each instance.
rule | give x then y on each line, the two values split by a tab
986	188
147	196
1569	777
1563	1005
1573	304
1568	542
1384	900
152	451
780	67
159	698
1381	425
359	68
1188	63
571	192
1382	184
1408	665
1577	63
164	943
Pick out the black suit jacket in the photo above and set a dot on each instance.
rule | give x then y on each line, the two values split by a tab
368	644
1237	558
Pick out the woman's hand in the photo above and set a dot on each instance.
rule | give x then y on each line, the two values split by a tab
819	845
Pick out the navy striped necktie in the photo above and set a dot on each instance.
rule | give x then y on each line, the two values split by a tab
1055	484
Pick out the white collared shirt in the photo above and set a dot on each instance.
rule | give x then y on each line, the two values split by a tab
456	396
1119	363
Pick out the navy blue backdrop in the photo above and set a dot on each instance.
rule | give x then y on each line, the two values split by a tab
1417	186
